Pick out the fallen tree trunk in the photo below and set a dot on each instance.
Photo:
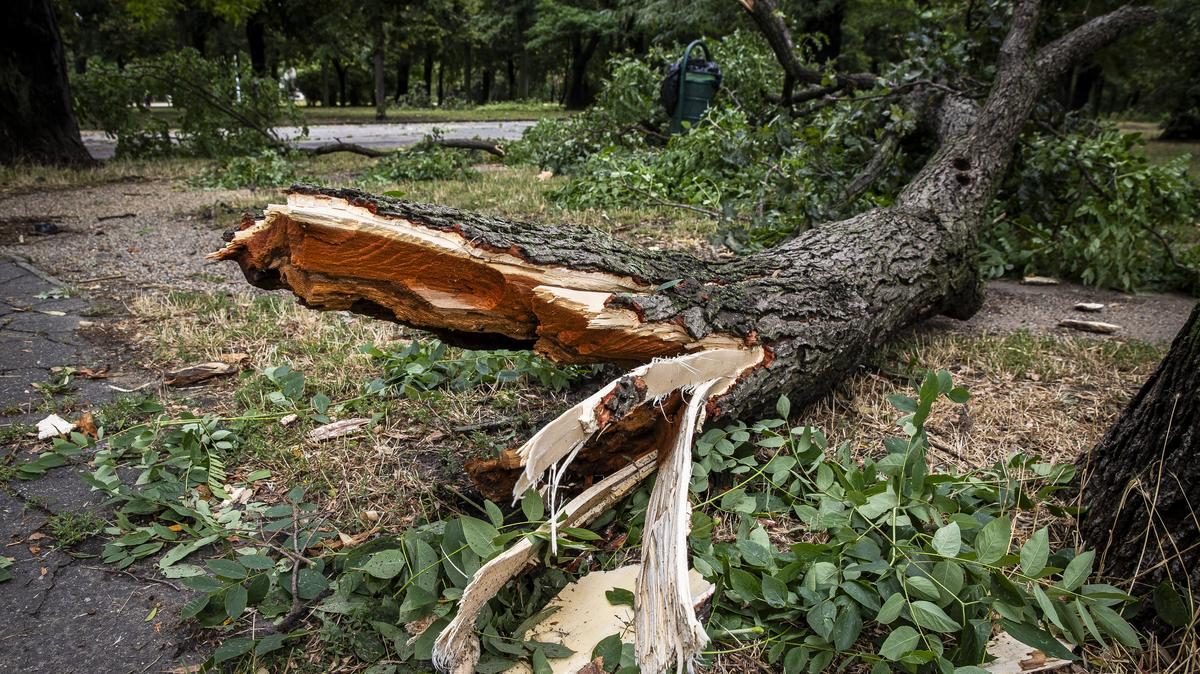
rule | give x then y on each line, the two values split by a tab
484	145
705	338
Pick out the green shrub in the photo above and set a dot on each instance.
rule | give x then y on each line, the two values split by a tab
1088	205
263	170
424	161
219	109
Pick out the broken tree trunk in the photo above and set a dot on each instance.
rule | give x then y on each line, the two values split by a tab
705	338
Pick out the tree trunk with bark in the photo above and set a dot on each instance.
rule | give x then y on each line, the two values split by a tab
37	122
380	77
705	339
256	42
1141	483
402	74
578	94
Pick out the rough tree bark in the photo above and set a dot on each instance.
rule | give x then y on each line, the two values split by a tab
37	122
709	338
1141	483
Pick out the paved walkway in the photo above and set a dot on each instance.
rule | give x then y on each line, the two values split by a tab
63	610
370	135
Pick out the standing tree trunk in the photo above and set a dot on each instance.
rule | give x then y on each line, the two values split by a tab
402	69
1141	483
37	122
739	333
468	70
578	94
256	42
427	72
380	77
485	87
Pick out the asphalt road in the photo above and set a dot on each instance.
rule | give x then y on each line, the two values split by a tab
370	135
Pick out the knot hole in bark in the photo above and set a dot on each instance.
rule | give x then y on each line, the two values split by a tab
961	164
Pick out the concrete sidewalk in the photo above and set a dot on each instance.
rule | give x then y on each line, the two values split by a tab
64	610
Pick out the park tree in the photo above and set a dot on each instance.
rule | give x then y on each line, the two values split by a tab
581	28
1140	485
37	121
706	339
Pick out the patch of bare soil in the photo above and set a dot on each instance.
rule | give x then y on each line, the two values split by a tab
1011	306
128	236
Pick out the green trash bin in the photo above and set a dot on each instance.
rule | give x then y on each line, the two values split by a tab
696	88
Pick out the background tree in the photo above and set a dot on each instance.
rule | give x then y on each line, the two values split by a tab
1140	485
37	121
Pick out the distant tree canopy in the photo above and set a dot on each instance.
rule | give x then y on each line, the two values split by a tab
339	52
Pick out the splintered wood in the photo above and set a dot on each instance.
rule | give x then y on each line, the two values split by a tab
338	255
366	256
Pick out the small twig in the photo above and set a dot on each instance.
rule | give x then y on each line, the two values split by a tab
134	576
119	216
97	279
484	425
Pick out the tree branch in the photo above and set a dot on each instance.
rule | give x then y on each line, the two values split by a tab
1057	57
771	24
490	146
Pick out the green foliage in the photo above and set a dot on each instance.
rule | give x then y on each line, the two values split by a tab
423	161
901	567
268	168
223	110
1089	206
426	365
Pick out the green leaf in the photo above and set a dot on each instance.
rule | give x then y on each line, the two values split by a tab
1090	623
194	606
385	564
494	513
794	661
619	596
1049	609
929	616
1112	623
232	649
226	568
609	650
271	642
1035	552
1171	607
256	562
310	583
891	609
991	543
922	587
879	504
783	407
1034	636
532	506
947	541
539	662
479	535
902	640
959	395
182	550
235	601
1078	570
774	591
